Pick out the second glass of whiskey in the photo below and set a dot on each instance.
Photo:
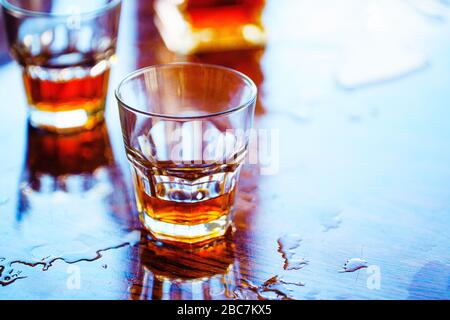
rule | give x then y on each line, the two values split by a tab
64	48
190	26
186	129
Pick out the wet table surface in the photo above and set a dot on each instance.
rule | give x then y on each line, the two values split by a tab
358	94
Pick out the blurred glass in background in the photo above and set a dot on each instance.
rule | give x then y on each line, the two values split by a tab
189	26
65	49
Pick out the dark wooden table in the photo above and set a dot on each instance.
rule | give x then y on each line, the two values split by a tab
359	93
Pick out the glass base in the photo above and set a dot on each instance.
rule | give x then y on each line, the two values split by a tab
65	121
186	233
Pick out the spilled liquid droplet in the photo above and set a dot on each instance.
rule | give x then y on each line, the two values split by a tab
295	264
286	246
271	281
9	276
242	292
332	222
354	264
272	289
10	272
275	288
279	280
289	242
72	204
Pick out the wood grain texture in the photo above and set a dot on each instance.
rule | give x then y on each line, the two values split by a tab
361	174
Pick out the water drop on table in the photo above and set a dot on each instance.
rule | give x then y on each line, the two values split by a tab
287	243
286	246
331	222
295	264
354	264
274	288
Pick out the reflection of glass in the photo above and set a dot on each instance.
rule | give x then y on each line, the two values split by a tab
64	164
174	272
72	199
186	129
65	49
189	26
72	204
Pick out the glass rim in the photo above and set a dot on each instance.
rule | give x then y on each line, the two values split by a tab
18	11
137	73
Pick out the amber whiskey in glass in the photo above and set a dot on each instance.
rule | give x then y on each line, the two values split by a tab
190	26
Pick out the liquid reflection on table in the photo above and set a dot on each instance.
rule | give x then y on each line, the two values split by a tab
363	173
170	272
68	206
72	164
63	166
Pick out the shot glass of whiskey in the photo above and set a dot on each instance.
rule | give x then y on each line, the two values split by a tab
64	48
186	128
192	26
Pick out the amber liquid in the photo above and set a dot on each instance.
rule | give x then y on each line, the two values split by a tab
170	195
184	212
87	93
58	84
193	26
67	165
73	154
223	13
174	204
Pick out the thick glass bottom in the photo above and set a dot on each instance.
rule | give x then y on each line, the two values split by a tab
186	233
65	121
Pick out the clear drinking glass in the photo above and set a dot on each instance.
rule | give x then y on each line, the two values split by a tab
186	128
65	48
